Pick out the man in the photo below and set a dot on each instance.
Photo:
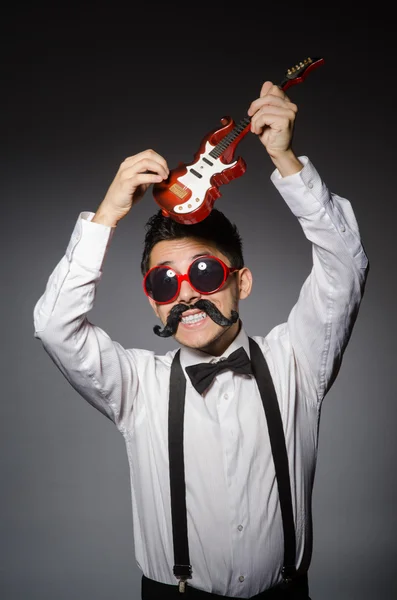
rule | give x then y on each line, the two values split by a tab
221	473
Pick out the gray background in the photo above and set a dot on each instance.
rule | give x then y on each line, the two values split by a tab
82	90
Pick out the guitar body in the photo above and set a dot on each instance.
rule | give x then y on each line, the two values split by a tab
189	193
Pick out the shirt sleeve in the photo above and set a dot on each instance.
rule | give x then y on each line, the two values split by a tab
101	370
321	322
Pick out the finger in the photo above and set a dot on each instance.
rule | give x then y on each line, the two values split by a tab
269	99
264	91
144	165
270	88
272	101
266	87
139	179
150	154
278	124
277	118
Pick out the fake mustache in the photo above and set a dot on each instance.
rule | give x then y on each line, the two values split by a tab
205	305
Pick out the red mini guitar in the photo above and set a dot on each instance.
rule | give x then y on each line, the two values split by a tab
189	193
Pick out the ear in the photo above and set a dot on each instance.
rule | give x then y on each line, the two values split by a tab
244	282
154	306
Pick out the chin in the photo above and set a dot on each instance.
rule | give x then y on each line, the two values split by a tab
214	343
197	341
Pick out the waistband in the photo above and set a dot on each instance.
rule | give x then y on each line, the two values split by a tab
154	590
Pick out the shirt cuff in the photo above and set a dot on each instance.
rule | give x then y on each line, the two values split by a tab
89	242
304	192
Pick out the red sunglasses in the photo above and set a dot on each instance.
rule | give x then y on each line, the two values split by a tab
206	275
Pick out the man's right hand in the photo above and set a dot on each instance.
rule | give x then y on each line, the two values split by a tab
136	173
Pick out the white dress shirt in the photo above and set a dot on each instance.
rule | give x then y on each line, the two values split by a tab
234	521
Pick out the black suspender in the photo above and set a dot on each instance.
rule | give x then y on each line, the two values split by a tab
279	451
182	568
176	411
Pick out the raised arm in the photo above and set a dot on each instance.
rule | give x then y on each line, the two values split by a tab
321	322
98	368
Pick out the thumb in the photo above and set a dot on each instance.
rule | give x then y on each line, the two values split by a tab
266	87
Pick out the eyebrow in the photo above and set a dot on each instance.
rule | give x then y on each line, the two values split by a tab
192	258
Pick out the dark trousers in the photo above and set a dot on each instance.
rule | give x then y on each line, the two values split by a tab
153	590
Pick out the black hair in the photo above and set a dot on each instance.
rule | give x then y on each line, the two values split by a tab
215	228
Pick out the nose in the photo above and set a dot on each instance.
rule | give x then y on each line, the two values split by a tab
187	294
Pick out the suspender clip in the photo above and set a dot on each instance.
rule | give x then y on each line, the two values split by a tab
288	573
183	573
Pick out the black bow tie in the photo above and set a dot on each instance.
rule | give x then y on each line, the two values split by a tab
202	374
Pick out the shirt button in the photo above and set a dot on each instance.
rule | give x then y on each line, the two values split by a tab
241	578
310	184
226	396
240	527
342	227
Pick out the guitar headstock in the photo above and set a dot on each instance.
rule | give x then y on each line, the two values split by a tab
300	71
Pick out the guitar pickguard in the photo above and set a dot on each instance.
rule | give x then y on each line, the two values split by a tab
198	180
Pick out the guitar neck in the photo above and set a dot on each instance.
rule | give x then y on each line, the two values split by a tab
293	76
235	135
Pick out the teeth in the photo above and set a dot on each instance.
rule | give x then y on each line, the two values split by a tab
194	318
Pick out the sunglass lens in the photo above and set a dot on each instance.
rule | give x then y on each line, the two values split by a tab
206	274
161	284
